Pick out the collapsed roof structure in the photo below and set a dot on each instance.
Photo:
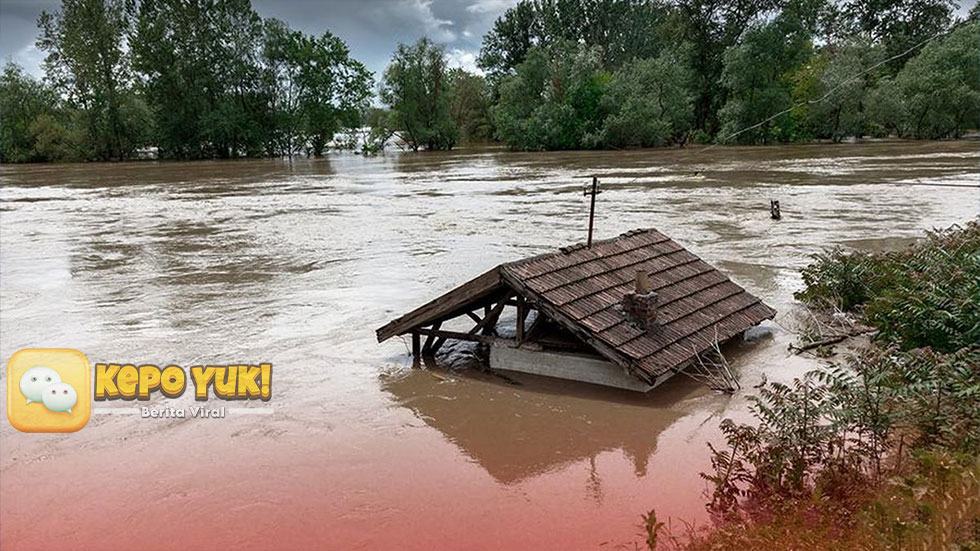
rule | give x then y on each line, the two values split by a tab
629	312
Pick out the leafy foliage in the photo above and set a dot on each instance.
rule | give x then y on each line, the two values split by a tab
757	76
940	88
759	71
316	88
878	452
562	98
87	64
469	105
926	295
553	102
647	103
619	30
210	78
416	87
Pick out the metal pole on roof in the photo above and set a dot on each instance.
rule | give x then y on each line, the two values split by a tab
593	192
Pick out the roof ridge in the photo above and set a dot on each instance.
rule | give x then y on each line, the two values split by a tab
568	249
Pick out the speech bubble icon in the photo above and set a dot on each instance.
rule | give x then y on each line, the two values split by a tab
35	380
60	397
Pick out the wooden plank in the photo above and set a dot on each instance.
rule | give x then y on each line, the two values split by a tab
456	335
473	290
489	323
430	340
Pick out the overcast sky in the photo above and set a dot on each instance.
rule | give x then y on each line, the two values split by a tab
372	28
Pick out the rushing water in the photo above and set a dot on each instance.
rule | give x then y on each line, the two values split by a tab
297	264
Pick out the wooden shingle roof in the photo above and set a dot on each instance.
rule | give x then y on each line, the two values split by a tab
582	289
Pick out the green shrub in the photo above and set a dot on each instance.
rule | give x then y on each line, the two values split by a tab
925	295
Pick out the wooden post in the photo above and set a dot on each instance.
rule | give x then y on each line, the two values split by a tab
427	347
416	348
521	314
595	191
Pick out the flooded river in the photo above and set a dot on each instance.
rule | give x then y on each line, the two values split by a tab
298	263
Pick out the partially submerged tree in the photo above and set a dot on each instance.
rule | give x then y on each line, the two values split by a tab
647	103
323	88
553	100
416	88
757	78
28	112
841	90
87	63
469	105
940	88
199	62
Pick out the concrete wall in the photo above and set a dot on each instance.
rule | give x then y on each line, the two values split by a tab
563	365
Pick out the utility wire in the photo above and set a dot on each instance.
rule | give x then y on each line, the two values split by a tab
830	92
825	97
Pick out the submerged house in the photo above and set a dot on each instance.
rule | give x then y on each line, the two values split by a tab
626	312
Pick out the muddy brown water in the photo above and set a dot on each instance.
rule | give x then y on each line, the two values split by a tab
297	264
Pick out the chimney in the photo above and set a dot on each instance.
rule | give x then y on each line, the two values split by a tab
640	306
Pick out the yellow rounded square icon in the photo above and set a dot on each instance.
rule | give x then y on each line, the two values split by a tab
49	390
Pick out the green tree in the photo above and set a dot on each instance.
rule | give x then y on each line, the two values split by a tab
648	103
53	141
280	51
199	60
841	89
621	30
711	28
554	101
416	88
897	25
758	78
469	105
87	63
939	89
334	89
23	100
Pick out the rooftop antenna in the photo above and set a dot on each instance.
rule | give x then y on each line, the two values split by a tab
593	192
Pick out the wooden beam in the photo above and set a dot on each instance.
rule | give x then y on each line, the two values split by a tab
427	348
489	322
457	335
474	317
416	344
475	290
486	324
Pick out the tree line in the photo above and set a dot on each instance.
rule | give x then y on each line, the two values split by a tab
629	73
195	79
212	79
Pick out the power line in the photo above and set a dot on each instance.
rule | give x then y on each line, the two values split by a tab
840	85
826	96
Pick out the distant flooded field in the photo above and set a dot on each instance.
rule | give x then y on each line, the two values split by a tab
298	263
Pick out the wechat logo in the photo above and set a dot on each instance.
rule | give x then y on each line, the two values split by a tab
43	385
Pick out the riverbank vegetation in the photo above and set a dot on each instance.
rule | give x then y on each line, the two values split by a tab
203	79
212	79
623	74
879	451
